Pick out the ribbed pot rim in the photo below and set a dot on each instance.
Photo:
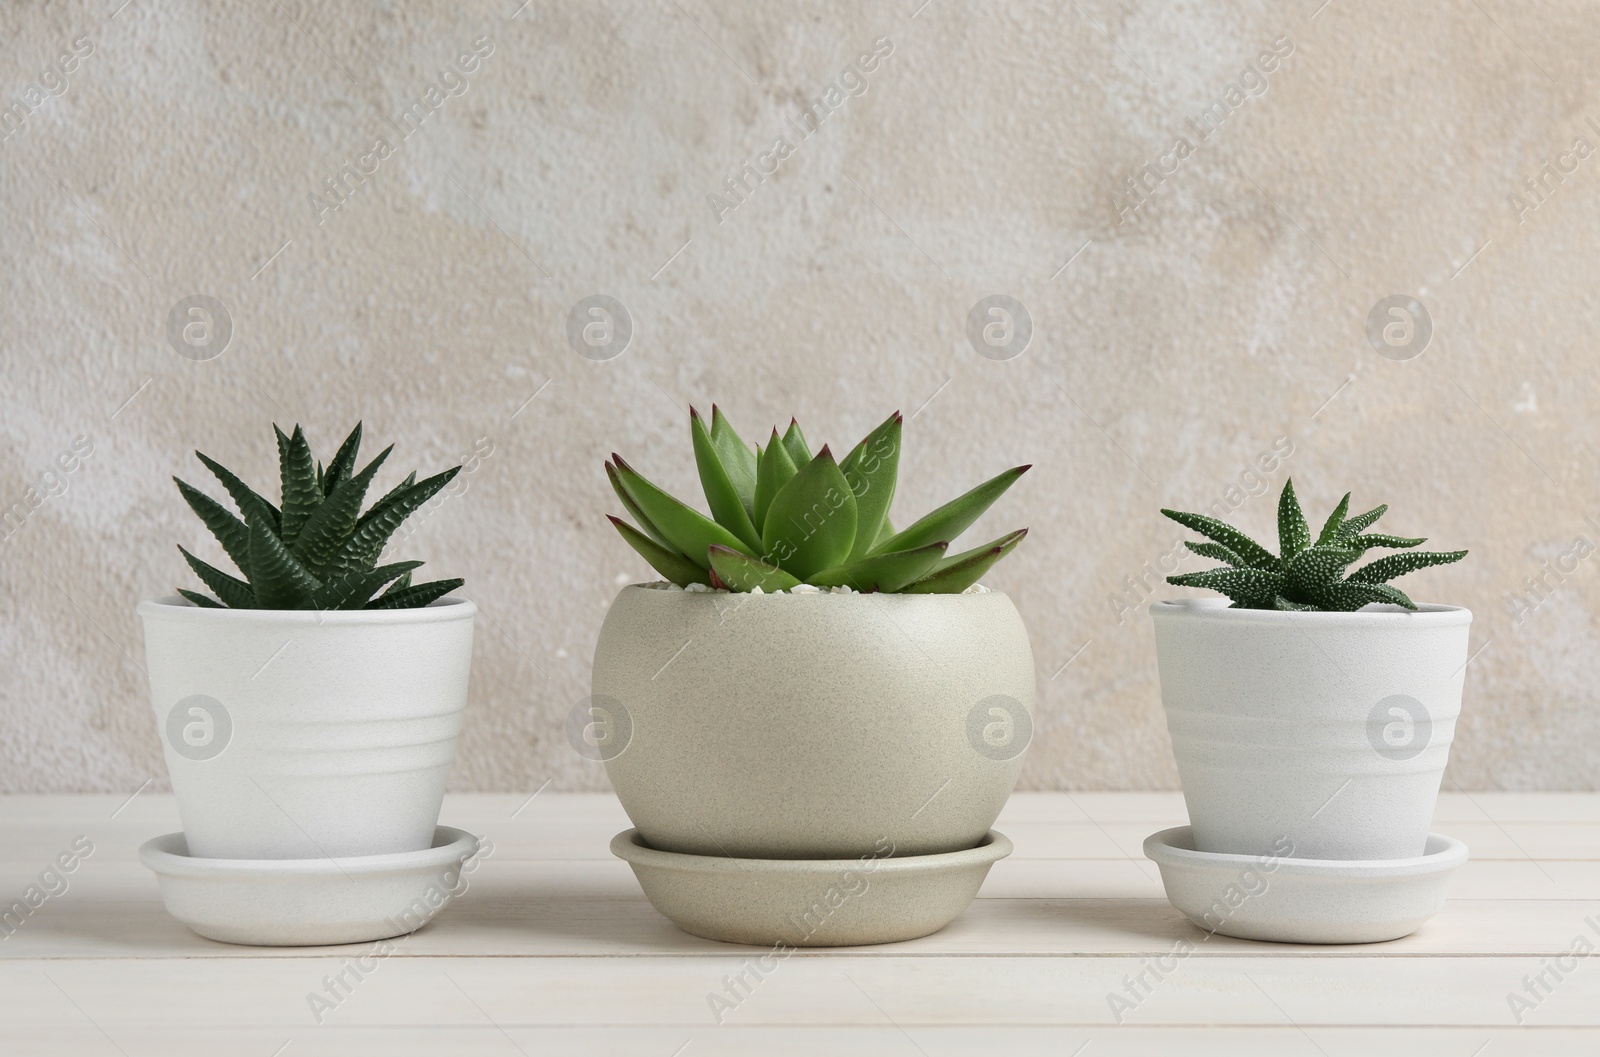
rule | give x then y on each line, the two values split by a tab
443	610
1217	609
868	596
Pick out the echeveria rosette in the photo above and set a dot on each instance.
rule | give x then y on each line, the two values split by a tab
318	551
1306	575
782	517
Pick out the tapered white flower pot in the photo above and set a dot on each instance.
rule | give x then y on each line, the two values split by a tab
812	726
1330	730
304	734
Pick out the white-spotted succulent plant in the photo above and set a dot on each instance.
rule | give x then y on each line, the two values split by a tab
318	551
782	517
1305	575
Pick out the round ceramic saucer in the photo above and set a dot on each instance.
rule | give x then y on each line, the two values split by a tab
876	898
1258	897
309	902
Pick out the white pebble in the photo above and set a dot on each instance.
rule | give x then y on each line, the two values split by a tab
805	589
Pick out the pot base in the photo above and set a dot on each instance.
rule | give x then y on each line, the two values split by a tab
810	902
308	902
1287	900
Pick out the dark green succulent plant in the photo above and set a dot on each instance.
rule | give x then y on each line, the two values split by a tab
781	517
318	551
1305	575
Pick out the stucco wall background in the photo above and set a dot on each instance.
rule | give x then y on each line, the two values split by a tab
1172	345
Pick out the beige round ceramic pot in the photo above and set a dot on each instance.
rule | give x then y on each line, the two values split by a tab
811	726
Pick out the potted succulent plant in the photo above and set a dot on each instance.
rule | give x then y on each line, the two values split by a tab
305	714
809	683
1319	706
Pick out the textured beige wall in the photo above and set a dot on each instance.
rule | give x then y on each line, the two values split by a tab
1173	343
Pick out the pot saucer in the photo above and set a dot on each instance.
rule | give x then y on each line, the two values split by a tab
308	902
810	902
1288	900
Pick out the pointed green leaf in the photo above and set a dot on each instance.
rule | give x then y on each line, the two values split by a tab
812	521
883	572
737	459
1348	597
634	512
334	519
298	481
234	592
1254	554
1219	552
774	469
1361	522
229	530
794	442
952	519
885	533
418	596
669	563
1314	569
689	531
244	497
352	590
344	461
399	585
1293	534
959	572
726	504
200	600
1392	565
871	469
1330	528
1378	539
1250	588
740	572
279	580
361	550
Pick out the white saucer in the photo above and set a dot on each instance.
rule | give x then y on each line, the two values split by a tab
1304	900
309	902
810	902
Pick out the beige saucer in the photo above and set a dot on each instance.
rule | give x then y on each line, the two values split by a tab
811	902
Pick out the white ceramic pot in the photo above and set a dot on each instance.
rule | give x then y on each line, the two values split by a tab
812	726
301	734
1329	729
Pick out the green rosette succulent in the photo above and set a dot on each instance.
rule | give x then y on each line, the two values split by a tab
1306	575
782	517
318	550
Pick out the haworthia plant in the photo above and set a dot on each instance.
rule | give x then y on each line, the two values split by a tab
318	550
1306	574
782	517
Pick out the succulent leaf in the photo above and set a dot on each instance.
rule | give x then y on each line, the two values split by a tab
232	533
331	523
1392	565
234	592
250	503
1316	568
280	581
1346	597
1361	522
1293	534
738	459
418	596
951	520
1376	539
669	563
794	442
1335	522
1256	588
727	506
740	572
774	469
1217	551
634	512
372	532
1283	604
871	469
353	590
811	523
890	571
344	462
201	600
299	483
689	531
957	573
1255	555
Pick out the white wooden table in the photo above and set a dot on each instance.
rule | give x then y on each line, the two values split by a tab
554	950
